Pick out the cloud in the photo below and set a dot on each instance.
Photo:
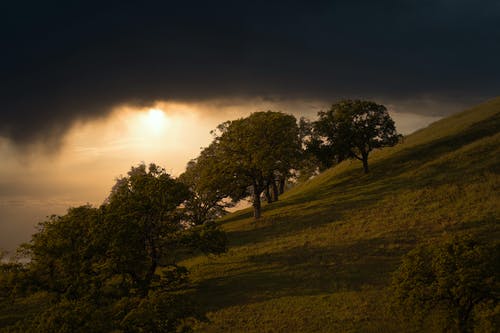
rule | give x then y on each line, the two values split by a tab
77	61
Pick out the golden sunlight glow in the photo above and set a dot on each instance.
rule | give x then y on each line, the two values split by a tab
96	152
169	134
155	121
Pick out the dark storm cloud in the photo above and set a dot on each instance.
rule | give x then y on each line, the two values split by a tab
76	60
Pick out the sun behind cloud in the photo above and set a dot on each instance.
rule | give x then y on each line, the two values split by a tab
154	121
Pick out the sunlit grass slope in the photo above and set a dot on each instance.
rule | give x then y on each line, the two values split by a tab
320	259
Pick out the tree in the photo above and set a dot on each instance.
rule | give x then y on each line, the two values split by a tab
208	187
62	253
317	153
353	128
12	278
457	276
142	214
256	151
116	260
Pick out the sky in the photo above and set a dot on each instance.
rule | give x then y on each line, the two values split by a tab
90	89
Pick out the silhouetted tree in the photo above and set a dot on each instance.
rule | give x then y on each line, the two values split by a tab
317	153
353	128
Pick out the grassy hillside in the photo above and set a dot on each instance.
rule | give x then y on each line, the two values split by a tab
320	259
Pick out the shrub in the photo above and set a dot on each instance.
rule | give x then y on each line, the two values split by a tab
456	279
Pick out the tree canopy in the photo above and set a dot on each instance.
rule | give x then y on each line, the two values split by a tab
256	152
456	276
142	213
209	188
353	128
118	260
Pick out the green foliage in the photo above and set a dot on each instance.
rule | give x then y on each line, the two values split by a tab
143	217
10	274
62	252
352	129
160	312
456	276
69	316
108	267
156	312
321	259
208	188
256	151
317	151
13	280
208	238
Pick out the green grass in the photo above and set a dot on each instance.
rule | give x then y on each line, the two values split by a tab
320	259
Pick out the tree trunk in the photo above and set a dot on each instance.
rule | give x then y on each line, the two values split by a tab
463	318
269	198
275	190
365	162
462	327
256	202
153	256
149	277
282	185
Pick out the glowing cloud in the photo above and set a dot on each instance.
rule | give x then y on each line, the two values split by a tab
155	121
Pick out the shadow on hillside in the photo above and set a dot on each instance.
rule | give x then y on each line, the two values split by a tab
352	190
243	214
271	226
482	230
306	271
